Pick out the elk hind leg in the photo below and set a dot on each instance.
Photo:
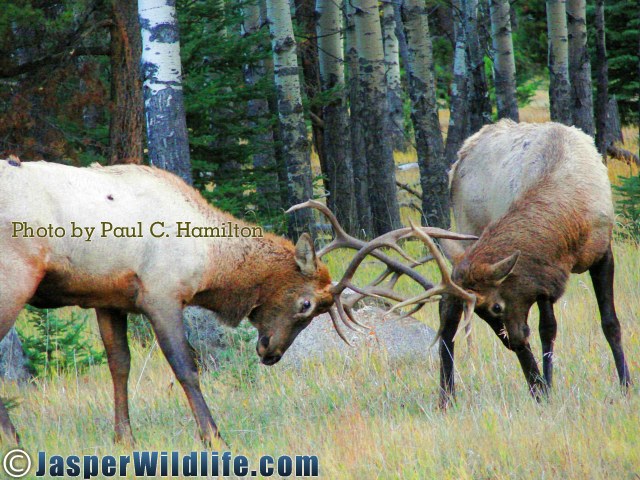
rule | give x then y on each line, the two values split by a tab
602	273
113	330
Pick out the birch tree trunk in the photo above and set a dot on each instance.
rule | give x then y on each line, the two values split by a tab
479	103
293	131
559	86
504	64
602	76
394	84
126	128
337	144
580	66
375	118
264	161
162	88
458	103
359	160
424	115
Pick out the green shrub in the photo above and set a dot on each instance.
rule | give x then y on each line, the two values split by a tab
55	345
628	206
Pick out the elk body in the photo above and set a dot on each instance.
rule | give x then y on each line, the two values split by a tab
539	198
279	287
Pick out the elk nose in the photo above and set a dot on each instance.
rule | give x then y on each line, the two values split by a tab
264	341
263	345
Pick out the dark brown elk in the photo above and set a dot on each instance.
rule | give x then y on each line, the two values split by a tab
539	198
146	242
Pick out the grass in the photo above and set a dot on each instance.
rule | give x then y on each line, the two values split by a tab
372	417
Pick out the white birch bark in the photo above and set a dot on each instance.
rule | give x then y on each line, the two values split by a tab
394	84
559	85
424	114
504	64
337	145
293	130
375	118
162	88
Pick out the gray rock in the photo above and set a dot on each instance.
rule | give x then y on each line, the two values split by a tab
205	334
398	338
13	362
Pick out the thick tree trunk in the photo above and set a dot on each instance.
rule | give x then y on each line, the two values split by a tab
580	67
458	104
504	64
360	169
308	55
394	84
163	98
479	103
559	84
337	144
602	76
126	129
375	118
293	131
264	161
424	115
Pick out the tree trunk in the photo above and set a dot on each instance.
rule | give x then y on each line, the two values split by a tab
375	118
163	99
458	103
308	55
337	145
602	68
264	161
126	128
580	67
394	84
293	131
504	64
424	115
559	85
360	170
479	103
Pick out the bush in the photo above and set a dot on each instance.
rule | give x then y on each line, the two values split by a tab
628	206
55	345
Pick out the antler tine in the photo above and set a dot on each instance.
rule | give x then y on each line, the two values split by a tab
342	238
334	320
345	317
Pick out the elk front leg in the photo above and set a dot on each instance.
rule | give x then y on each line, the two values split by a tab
113	329
170	332
450	313
547	328
517	340
602	277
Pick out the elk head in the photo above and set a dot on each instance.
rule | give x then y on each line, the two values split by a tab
297	298
383	285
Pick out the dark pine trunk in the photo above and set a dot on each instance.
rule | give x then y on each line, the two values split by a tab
126	129
602	76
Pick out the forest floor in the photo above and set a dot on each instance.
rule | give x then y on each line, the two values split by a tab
376	417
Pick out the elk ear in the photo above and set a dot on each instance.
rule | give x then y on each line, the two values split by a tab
452	250
499	271
306	255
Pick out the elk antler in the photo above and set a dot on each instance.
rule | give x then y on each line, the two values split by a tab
381	287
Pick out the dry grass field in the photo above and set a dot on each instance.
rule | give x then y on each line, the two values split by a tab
367	417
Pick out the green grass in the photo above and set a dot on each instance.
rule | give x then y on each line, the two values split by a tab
377	418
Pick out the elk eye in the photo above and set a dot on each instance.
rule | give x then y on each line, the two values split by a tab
305	306
496	308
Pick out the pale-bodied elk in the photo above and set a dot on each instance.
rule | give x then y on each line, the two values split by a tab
279	287
539	198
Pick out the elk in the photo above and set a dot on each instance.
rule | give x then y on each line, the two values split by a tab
279	287
538	197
